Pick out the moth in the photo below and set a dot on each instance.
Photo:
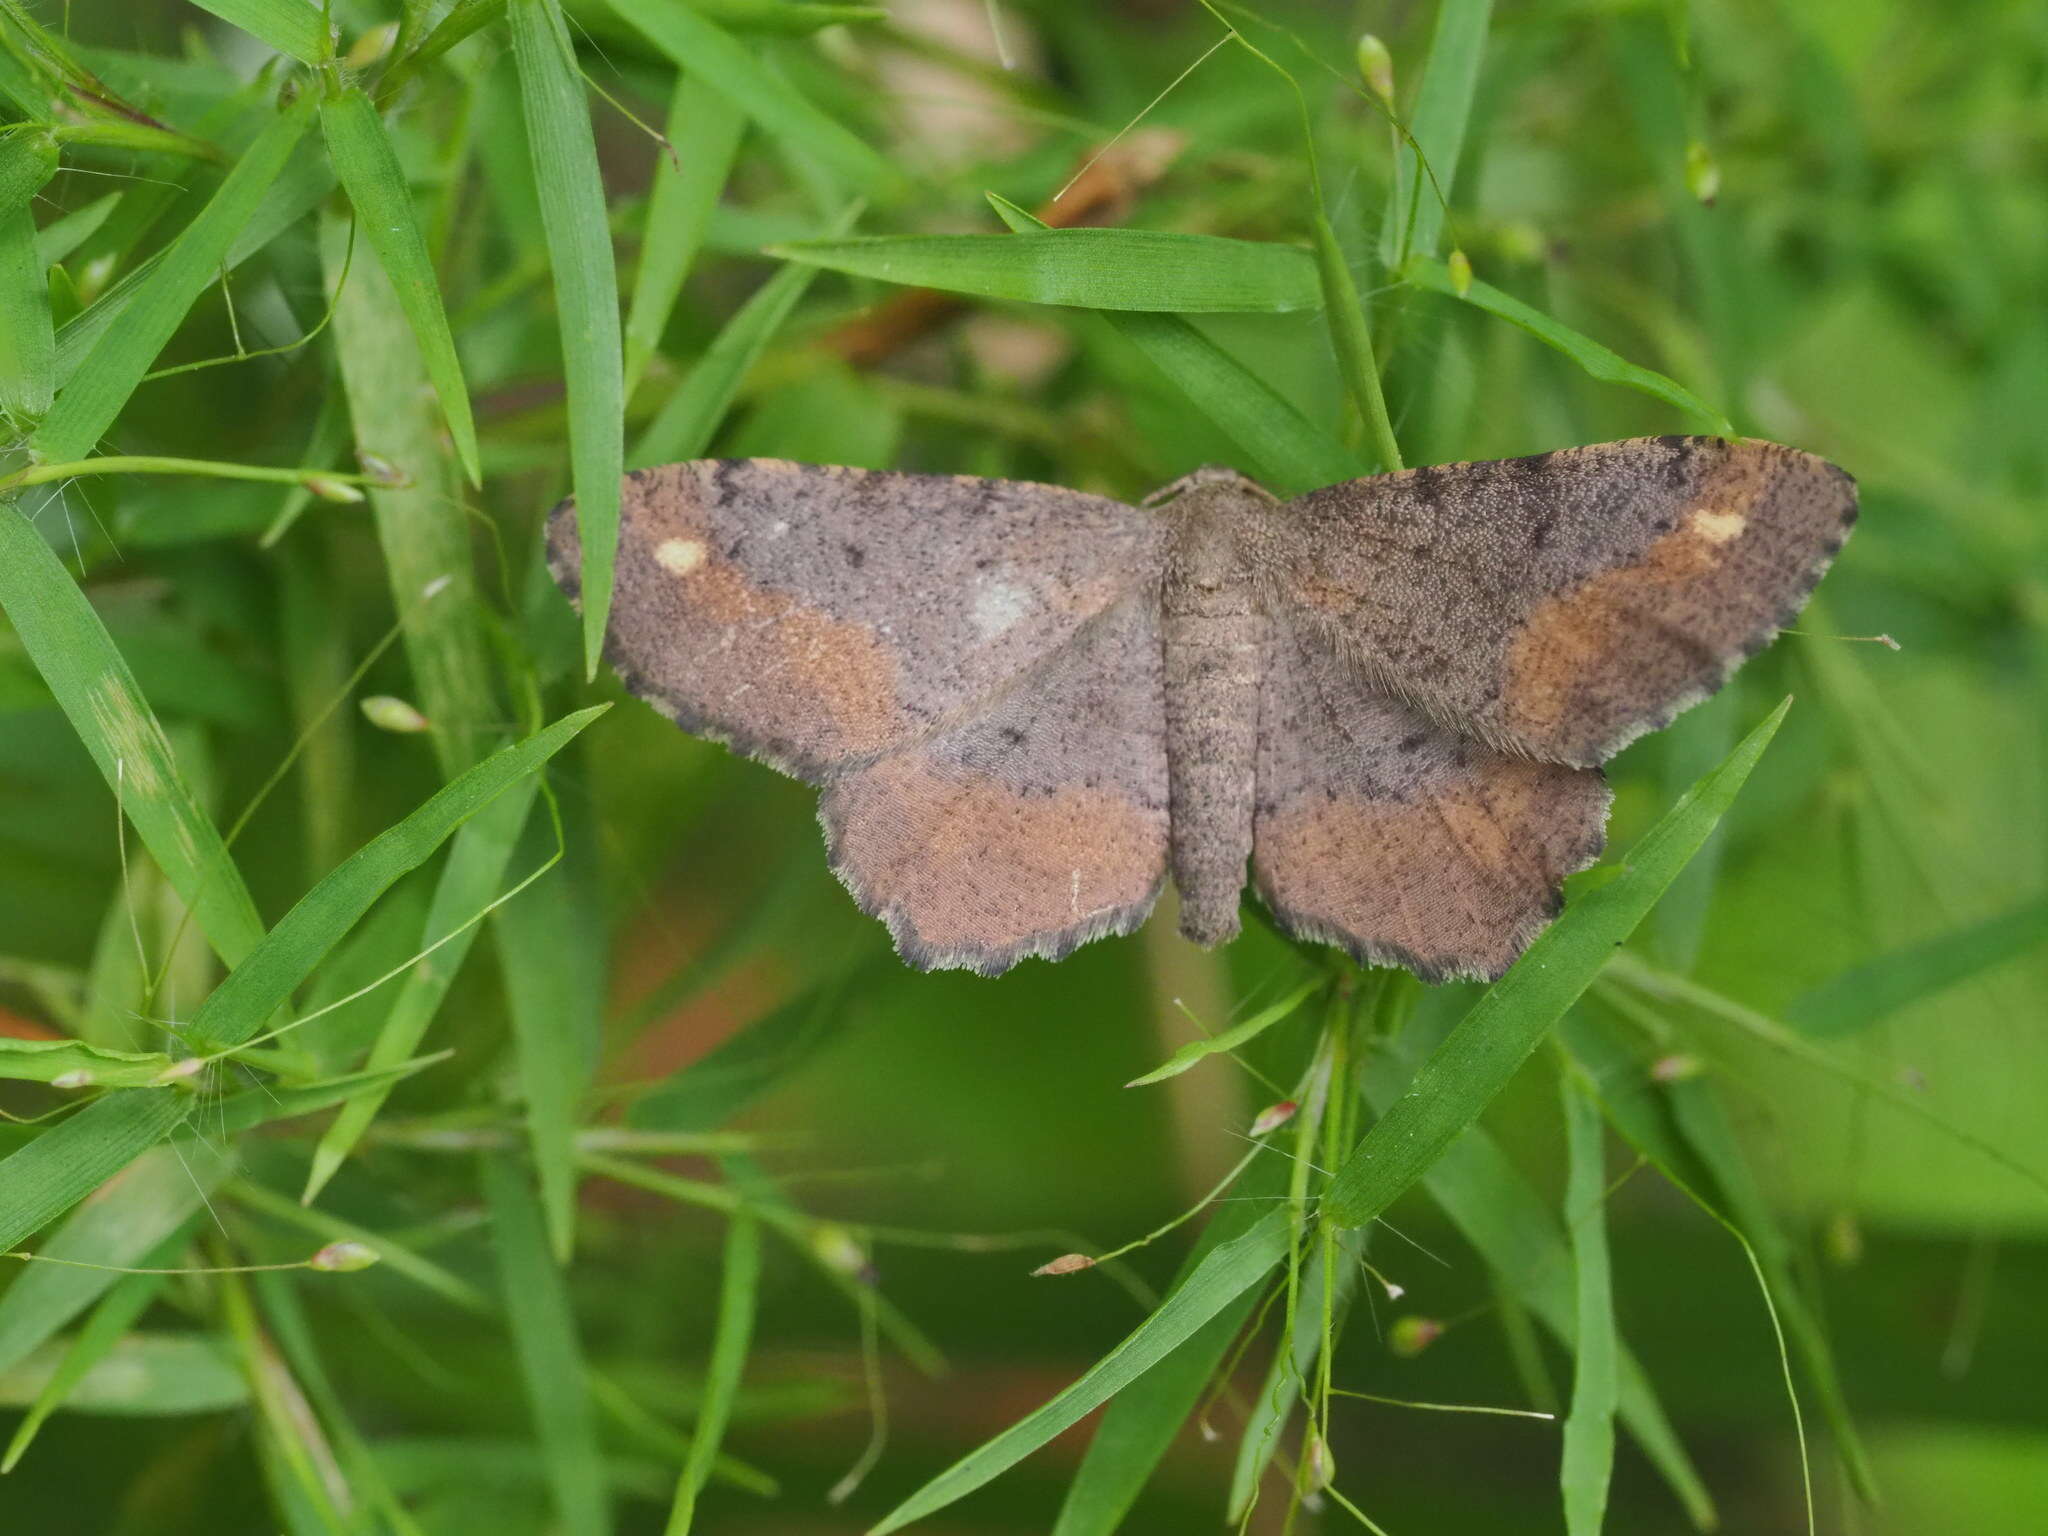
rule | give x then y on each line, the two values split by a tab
1389	699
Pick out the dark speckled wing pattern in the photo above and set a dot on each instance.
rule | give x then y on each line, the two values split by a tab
1561	605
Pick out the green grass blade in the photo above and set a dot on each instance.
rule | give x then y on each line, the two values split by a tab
266	979
1588	1463
1286	449
1120	269
1424	167
420	525
77	658
726	65
1146	1417
28	344
468	882
1860	997
122	354
1596	360
292	27
43	1061
368	169
116	1313
149	1201
305	180
573	221
1496	1036
684	426
739	1290
46	1178
551	950
704	130
1273	1405
1239	1034
1231	1269
550	1355
1492	1204
1352	341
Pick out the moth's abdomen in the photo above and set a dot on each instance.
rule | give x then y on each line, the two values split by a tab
1214	641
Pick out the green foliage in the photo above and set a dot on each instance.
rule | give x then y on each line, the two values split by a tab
310	312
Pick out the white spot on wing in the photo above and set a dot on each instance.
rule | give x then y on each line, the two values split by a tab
681	556
1717	527
999	606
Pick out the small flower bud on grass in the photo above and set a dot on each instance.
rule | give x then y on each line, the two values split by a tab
1065	1264
1702	172
1675	1068
1411	1335
327	488
1377	66
381	470
393	714
180	1073
839	1249
343	1258
371	46
1273	1117
1461	272
76	1079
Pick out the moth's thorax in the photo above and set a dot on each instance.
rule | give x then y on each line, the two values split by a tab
1218	526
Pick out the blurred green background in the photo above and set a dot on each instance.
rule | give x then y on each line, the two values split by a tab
1828	221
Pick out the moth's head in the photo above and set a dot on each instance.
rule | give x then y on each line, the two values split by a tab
1212	482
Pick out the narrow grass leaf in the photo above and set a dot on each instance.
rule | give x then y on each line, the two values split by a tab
1861	996
1120	269
77	658
739	1291
46	1178
292	27
1425	166
1647	1114
297	191
122	354
1144	1419
1351	339
550	1355
421	528
1288	451
1231	1269
1237	1035
1491	1202
573	222
28	344
688	419
318	1497
1496	1036
368	168
1598	361
726	65
145	1375
117	1312
264	981
1266	1420
88	1066
269	1103
149	1200
1588	1463
468	882
551	952
704	130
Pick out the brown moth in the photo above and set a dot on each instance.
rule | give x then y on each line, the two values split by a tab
1391	697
